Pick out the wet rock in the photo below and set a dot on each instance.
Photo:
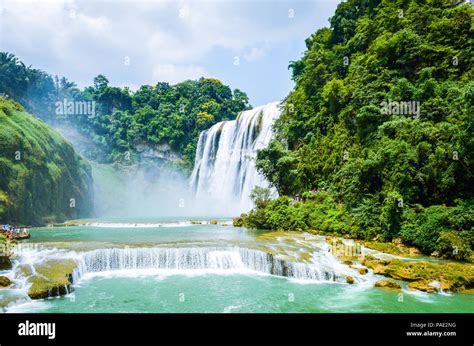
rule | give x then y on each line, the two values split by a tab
426	276
350	280
53	278
5	263
362	270
4	281
390	284
348	262
423	286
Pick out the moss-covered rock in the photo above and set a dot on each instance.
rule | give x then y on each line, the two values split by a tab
5	263
394	248
390	284
350	280
53	278
4	281
424	285
451	276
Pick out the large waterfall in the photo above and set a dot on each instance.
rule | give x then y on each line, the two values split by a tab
224	171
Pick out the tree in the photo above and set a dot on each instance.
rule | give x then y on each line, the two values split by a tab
100	82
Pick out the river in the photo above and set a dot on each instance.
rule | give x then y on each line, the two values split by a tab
175	265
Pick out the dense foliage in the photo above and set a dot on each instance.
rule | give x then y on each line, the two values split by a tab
42	179
160	115
400	171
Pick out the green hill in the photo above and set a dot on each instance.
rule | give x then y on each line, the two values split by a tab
379	128
42	179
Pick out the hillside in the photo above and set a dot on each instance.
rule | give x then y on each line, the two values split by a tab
377	135
42	179
121	125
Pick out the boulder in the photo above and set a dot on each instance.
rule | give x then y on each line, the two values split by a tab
5	263
53	278
4	281
350	280
424	286
390	284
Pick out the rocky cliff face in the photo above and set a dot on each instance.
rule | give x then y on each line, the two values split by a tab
160	153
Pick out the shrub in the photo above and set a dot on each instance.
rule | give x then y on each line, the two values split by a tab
451	245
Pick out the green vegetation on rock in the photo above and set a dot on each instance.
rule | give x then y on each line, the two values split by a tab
426	276
4	281
53	278
42	179
390	284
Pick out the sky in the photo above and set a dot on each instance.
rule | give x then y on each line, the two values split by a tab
247	44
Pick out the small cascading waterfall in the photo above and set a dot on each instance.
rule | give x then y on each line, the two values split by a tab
196	258
224	170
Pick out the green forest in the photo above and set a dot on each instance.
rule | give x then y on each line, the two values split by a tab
152	115
376	139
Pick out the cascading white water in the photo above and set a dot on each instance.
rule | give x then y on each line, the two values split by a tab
224	171
219	258
322	266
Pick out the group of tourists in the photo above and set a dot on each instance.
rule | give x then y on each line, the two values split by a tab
11	231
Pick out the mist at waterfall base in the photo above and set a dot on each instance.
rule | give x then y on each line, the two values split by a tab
141	192
146	190
151	194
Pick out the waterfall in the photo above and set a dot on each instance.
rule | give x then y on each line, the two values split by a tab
227	259
224	171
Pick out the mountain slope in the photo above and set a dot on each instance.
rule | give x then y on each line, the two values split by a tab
42	179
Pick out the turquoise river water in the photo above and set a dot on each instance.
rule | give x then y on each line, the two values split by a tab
174	265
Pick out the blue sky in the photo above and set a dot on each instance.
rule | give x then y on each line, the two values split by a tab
246	44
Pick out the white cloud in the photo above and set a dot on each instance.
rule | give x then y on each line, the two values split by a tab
175	73
166	40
